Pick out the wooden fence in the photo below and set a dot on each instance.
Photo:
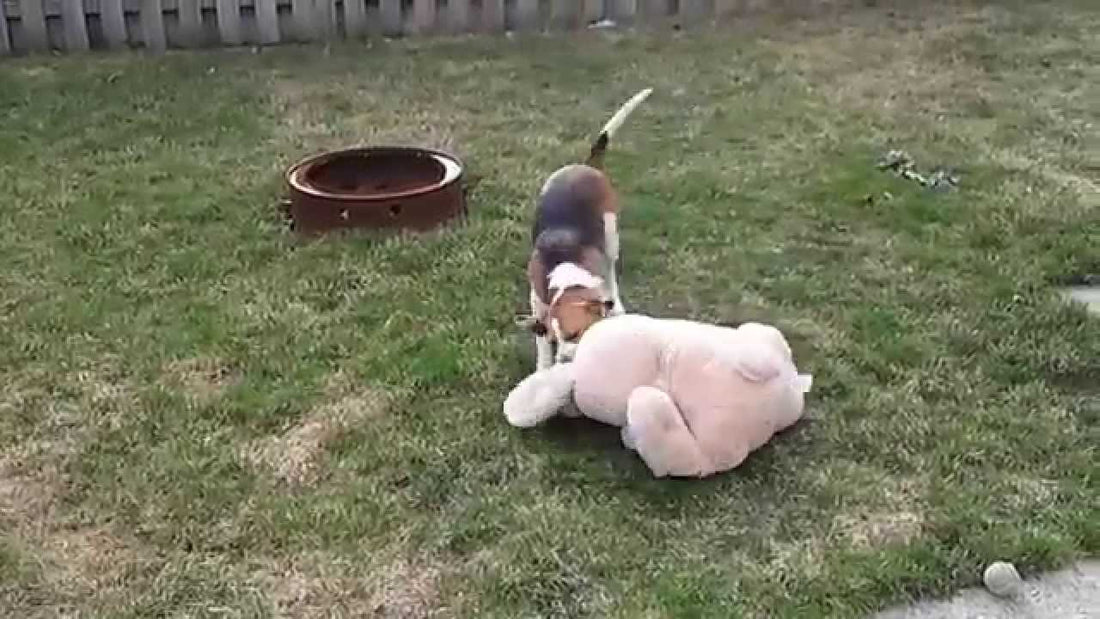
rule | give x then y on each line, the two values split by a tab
79	25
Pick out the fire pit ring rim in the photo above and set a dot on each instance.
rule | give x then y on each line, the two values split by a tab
452	166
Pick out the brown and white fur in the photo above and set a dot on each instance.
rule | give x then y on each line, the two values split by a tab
572	268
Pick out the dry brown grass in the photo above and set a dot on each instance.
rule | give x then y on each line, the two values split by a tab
201	379
891	510
70	557
322	586
918	70
307	122
73	559
296	457
407	589
873	530
314	587
1027	492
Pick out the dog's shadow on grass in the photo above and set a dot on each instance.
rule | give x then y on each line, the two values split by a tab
582	435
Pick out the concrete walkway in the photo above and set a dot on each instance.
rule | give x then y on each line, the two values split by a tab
1089	295
1072	593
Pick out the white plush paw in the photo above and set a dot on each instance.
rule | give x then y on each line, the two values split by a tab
539	396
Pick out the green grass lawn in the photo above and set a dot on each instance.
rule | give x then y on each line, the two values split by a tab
202	416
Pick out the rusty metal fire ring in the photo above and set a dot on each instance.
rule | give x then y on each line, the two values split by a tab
381	187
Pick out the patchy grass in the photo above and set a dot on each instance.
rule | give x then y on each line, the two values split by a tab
202	415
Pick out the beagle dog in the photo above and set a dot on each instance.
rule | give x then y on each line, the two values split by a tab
572	268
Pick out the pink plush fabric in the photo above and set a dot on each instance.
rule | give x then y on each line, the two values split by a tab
694	399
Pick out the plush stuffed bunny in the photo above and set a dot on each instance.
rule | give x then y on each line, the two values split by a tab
693	399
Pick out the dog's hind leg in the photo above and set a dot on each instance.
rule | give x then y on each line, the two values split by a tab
611	247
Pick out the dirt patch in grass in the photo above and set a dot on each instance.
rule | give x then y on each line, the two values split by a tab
937	74
353	113
407	589
74	559
1038	164
914	61
70	557
202	379
856	71
296	457
92	558
314	587
105	401
890	511
876	529
318	586
26	500
1028	492
804	557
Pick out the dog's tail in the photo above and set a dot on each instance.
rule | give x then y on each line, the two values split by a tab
603	138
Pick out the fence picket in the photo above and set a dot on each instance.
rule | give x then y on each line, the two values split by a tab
74	25
313	20
391	16
458	15
623	11
725	8
492	15
355	18
152	25
527	14
325	18
113	23
33	17
190	16
423	17
591	11
228	13
5	38
652	11
267	19
694	11
565	14
301	15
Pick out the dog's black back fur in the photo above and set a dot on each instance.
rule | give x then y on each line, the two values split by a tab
564	224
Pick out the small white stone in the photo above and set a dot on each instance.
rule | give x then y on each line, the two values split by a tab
1002	579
